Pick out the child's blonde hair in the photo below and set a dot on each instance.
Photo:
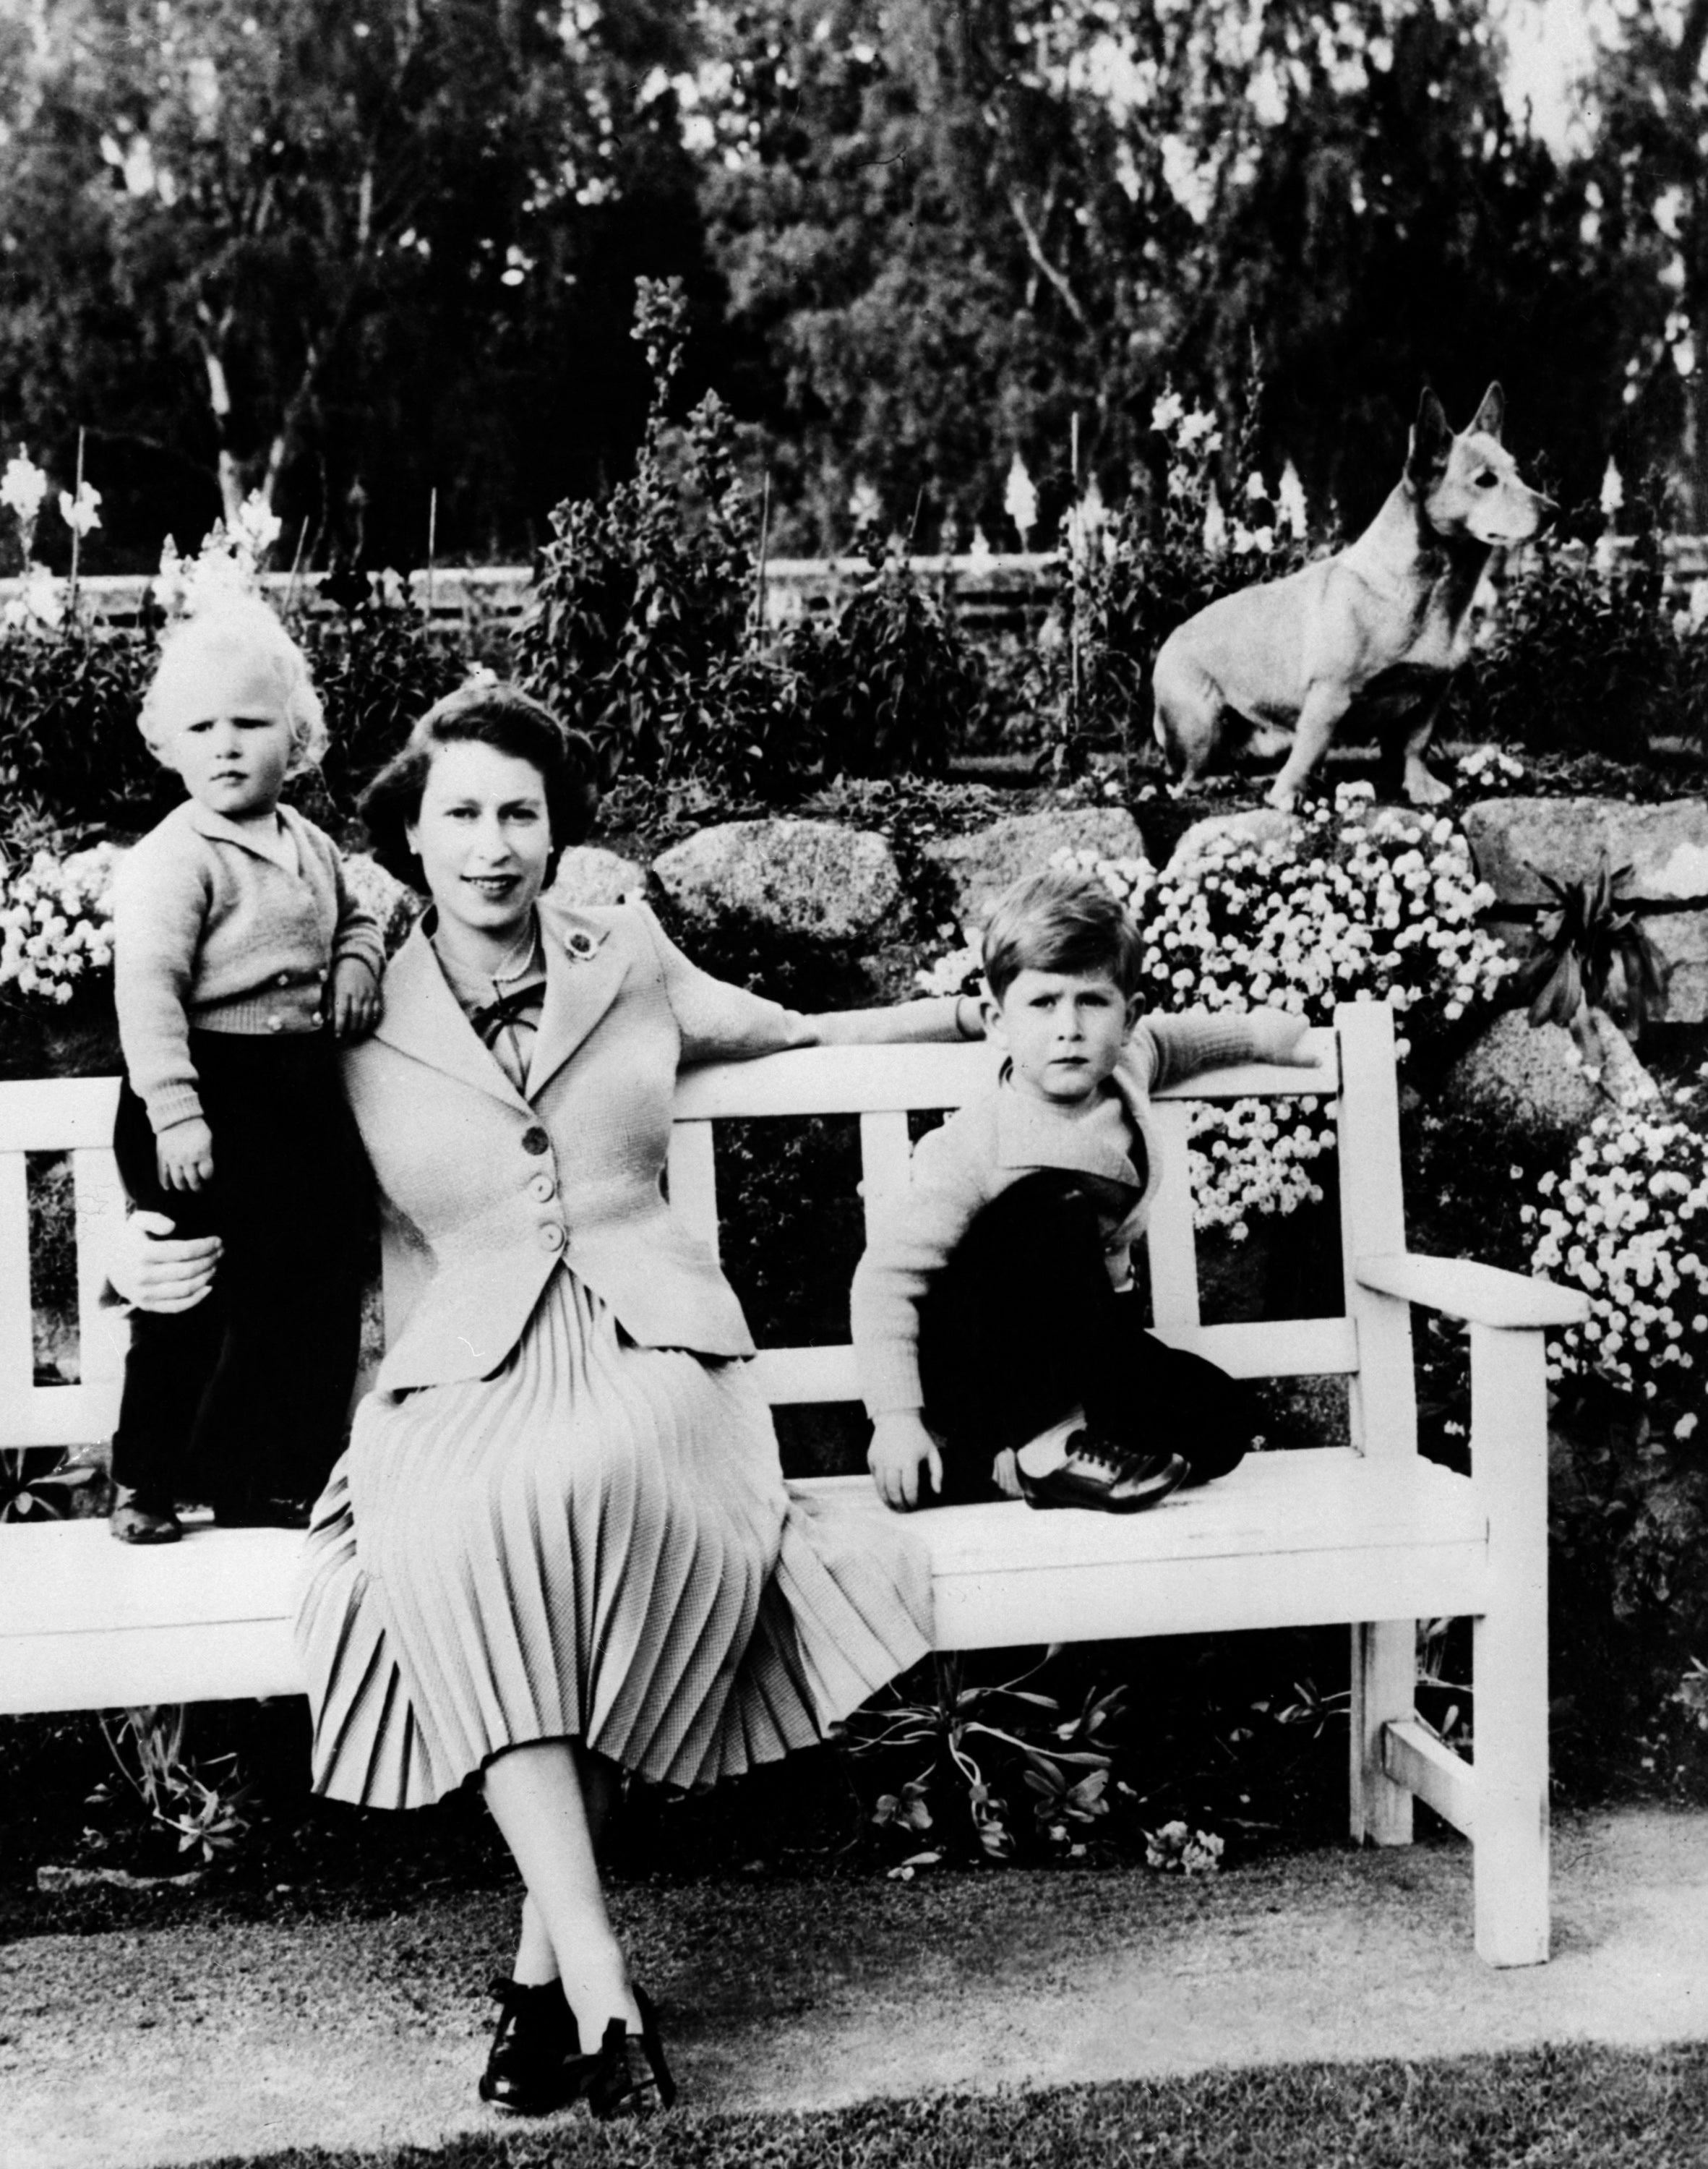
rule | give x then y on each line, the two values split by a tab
234	625
1059	921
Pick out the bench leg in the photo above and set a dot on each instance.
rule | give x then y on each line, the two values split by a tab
1384	1689
1510	1831
1509	1450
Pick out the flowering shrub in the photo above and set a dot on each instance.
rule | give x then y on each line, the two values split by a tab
55	922
1177	1849
1130	578
1360	903
1625	1225
1487	770
1588	651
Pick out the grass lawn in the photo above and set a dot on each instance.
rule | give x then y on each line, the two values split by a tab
1560	2108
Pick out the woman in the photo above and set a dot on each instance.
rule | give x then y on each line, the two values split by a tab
559	1546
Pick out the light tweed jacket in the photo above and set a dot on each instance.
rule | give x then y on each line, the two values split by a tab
484	1189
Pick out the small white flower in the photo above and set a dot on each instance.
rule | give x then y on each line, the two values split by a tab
1020	500
81	513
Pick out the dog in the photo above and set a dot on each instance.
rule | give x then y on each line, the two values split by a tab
1374	632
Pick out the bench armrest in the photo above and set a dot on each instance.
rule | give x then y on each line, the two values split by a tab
1481	1295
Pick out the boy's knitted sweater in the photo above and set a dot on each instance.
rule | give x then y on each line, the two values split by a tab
989	1144
208	932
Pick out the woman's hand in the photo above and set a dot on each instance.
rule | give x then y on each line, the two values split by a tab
355	998
153	1269
901	1449
184	1155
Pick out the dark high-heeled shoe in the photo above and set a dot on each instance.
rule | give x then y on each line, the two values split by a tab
536	2064
630	2066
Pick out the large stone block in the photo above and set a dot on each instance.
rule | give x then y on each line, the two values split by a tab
587	873
980	866
1666	847
1533	1075
812	879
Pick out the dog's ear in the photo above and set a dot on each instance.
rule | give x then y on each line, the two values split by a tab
1431	440
1490	418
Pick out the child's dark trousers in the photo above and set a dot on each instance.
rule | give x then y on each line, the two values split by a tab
1022	1326
241	1401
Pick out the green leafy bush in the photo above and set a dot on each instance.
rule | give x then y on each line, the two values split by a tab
1130	578
68	738
1588	653
378	666
889	684
638	630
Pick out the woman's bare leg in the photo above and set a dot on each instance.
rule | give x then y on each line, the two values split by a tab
535	1796
536	1961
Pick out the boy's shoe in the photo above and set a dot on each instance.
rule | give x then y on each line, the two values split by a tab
1101	1476
138	1517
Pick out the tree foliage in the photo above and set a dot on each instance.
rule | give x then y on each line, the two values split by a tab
343	255
356	255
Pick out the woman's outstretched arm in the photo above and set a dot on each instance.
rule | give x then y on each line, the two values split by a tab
722	1023
939	1016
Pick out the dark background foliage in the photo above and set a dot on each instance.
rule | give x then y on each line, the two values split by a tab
356	260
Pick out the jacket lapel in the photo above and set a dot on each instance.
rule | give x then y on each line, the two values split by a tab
422	1019
583	971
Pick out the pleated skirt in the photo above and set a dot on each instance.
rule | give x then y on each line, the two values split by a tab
595	1543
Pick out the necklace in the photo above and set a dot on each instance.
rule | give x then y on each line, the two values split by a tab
502	977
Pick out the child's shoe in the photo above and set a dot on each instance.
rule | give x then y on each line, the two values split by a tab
1099	1475
139	1518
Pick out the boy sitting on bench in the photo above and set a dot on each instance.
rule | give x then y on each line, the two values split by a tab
998	1336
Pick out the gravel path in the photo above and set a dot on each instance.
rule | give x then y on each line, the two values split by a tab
130	2048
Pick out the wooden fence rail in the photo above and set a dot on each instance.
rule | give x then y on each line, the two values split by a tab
992	594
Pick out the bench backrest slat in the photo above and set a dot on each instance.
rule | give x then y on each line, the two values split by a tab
1171	1243
17	1359
1373	1224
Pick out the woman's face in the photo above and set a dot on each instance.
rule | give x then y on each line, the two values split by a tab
484	837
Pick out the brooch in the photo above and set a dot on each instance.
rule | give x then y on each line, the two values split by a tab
580	944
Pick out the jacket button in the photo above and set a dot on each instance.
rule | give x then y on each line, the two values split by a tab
535	1140
275	1024
542	1187
551	1236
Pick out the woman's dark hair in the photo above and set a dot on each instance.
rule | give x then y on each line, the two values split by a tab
510	721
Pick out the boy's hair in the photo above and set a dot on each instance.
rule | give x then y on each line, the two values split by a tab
1059	921
488	712
234	625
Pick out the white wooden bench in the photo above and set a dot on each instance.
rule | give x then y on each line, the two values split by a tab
1373	1535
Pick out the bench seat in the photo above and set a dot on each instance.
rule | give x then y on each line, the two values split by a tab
1323	1535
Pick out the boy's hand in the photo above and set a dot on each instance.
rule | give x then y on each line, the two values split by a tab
355	998
1278	1033
900	1447
185	1154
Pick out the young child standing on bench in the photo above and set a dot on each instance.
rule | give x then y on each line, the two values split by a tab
997	1334
239	953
